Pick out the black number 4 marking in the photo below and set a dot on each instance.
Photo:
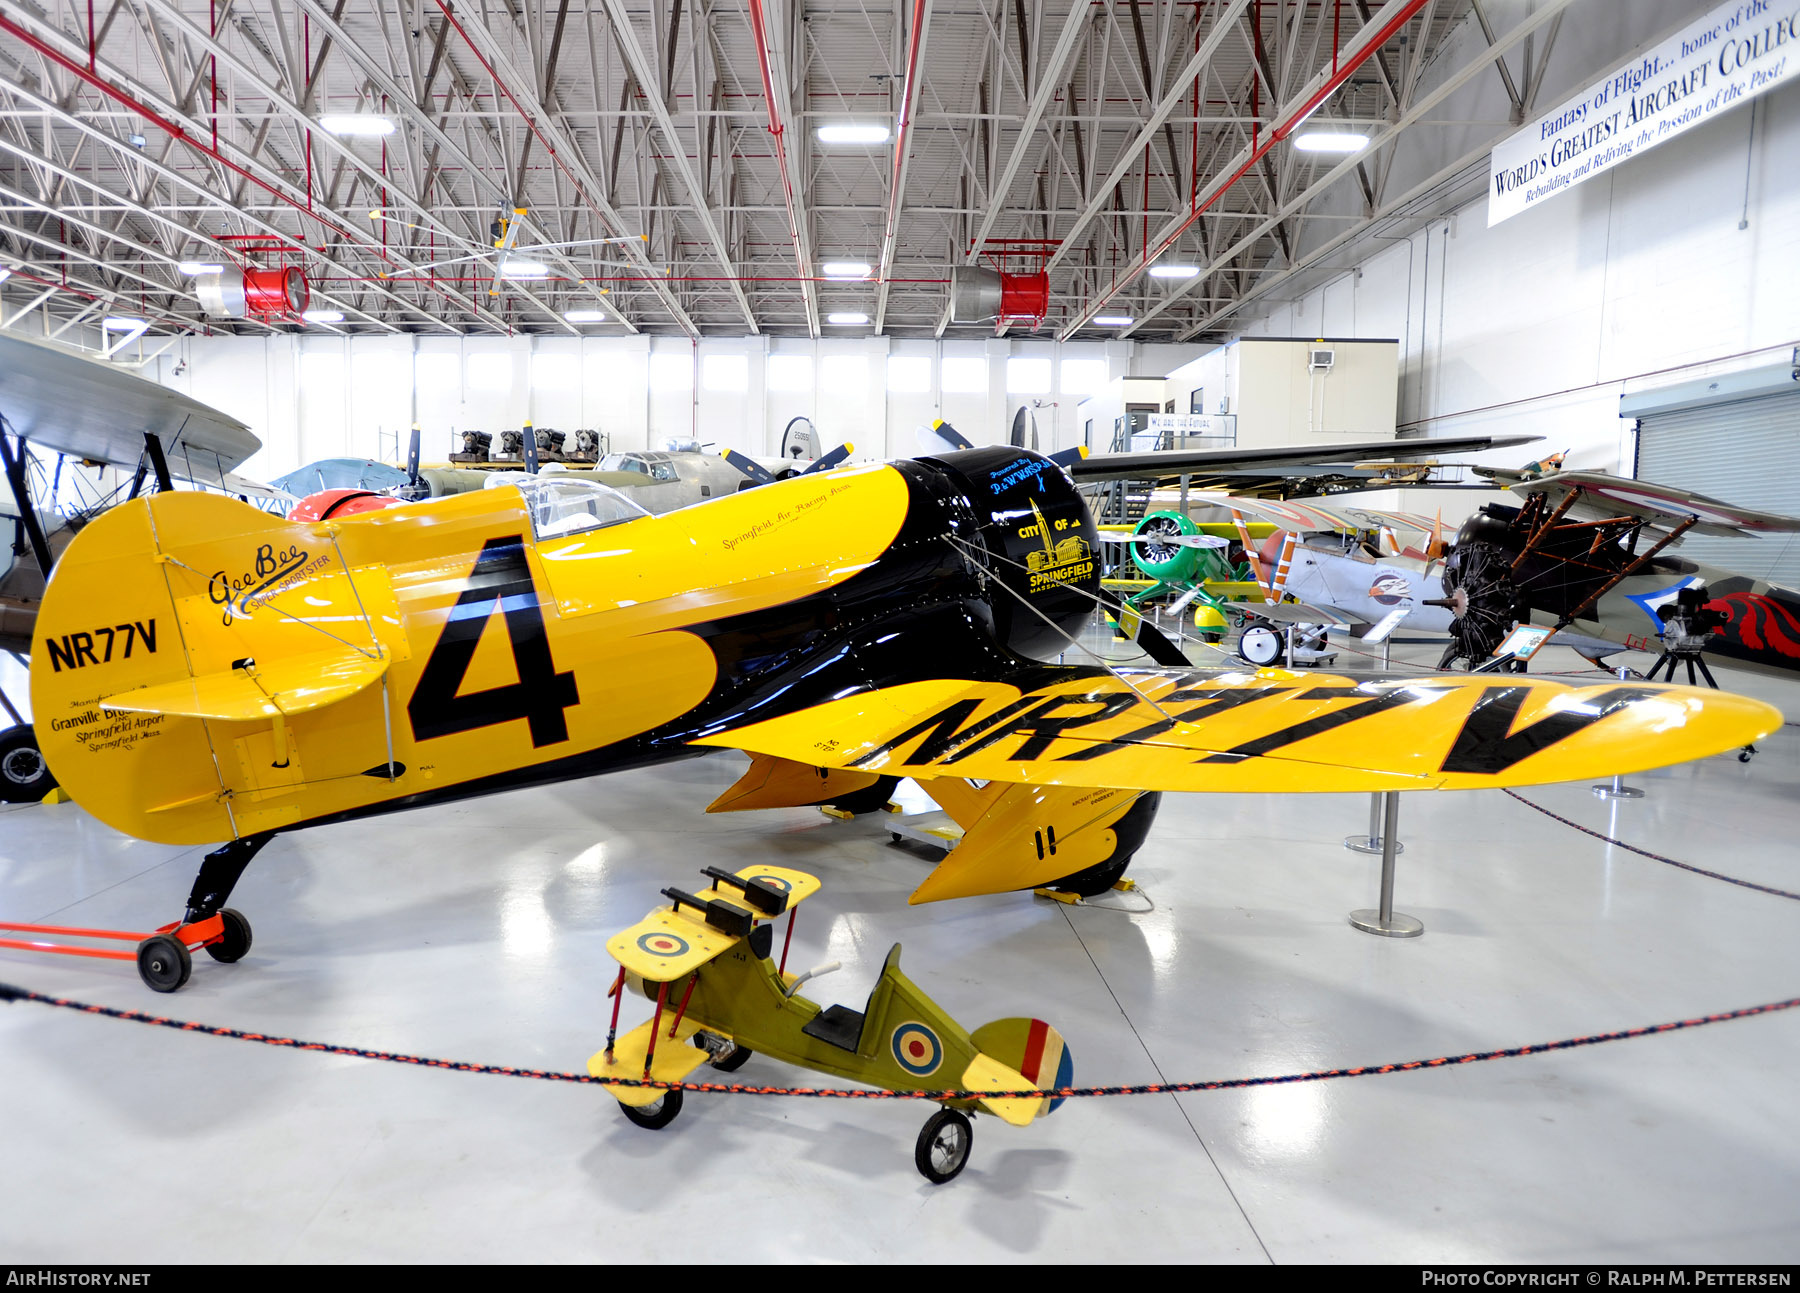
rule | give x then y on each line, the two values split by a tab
500	581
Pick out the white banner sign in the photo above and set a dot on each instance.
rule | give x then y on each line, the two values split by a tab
1713	64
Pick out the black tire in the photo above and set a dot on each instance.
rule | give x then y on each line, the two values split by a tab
1262	644
734	1061
943	1146
236	941
1131	830
163	963
24	776
654	1117
870	799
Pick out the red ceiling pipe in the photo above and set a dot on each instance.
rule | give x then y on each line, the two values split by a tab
775	129
908	92
1278	132
169	127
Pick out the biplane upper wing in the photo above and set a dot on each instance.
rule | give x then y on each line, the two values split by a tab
1270	730
1313	517
667	944
1283	469
1662	506
62	401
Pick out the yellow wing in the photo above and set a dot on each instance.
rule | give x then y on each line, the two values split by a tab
1271	730
285	687
666	944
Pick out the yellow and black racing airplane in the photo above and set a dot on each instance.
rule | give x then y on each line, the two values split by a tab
205	672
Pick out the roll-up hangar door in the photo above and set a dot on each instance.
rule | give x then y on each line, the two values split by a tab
1736	438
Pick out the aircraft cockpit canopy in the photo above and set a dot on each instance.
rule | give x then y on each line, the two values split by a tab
560	507
657	466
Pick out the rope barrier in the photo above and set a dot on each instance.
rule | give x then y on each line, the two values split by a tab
9	994
1654	857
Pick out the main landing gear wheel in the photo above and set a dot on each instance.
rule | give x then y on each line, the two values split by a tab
24	776
1262	645
236	941
654	1117
1129	833
943	1148
163	963
870	799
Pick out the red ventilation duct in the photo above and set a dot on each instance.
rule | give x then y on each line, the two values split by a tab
235	293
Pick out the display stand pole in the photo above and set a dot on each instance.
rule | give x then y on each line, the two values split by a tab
1386	921
1616	788
1371	843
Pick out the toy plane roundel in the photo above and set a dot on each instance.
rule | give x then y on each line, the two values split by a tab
204	672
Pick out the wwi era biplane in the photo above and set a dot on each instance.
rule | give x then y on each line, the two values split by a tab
707	961
204	672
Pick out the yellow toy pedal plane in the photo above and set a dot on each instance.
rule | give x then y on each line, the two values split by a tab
705	960
204	672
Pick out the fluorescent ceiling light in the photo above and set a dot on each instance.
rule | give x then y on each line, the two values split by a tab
323	316
122	323
846	268
586	316
524	269
1112	320
5	274
1174	271
852	134
1330	141
847	316
355	123
199	267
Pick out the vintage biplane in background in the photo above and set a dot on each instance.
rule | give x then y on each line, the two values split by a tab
707	961
1590	552
879	621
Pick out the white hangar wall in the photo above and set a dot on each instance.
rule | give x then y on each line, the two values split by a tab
315	395
1680	263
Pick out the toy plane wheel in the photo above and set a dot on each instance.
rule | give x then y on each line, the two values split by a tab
163	963
654	1117
236	941
739	1056
944	1144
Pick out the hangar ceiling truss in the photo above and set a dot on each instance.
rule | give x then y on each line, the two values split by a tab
139	135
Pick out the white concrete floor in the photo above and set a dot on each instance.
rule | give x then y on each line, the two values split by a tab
477	932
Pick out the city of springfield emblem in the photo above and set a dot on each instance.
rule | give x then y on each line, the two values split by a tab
1061	561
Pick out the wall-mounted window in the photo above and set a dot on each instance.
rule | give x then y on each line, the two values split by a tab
1197	400
553	372
725	372
909	374
1083	376
790	372
963	375
670	371
489	370
843	374
1027	375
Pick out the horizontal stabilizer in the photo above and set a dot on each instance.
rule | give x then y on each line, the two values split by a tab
254	691
985	1073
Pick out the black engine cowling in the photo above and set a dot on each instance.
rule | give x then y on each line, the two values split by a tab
1019	515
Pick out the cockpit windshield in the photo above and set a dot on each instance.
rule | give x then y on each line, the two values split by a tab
560	506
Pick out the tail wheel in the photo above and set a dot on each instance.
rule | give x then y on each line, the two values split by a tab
1479	586
943	1147
1261	644
24	776
1130	830
236	940
654	1117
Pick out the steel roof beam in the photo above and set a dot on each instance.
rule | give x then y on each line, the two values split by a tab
647	80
